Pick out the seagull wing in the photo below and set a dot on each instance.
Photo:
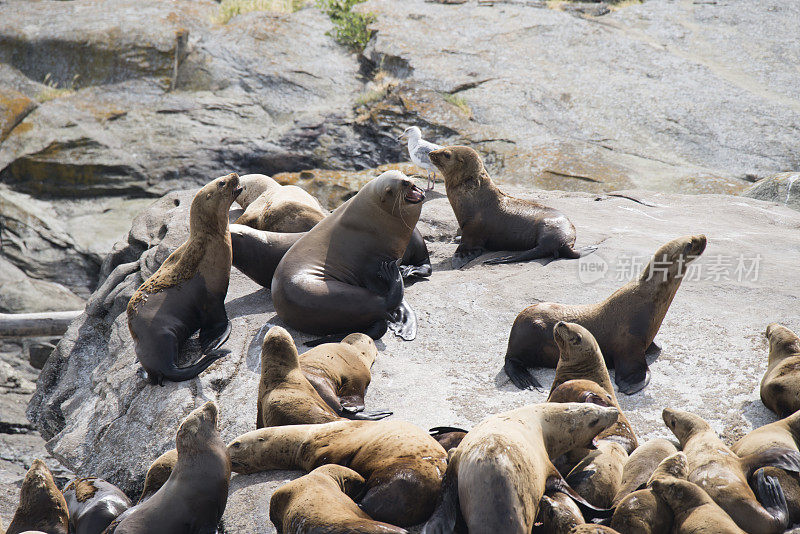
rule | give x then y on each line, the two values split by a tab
423	149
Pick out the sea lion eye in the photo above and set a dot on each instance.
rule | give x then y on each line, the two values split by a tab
220	184
447	155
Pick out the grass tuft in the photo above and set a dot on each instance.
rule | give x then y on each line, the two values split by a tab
52	91
230	8
458	101
350	28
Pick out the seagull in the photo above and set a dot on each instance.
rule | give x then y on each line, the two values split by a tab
418	149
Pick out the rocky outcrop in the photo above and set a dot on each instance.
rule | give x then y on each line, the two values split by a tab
782	188
102	418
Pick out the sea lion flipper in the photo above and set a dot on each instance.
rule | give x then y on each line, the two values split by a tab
367	416
538	252
443	520
179	374
403	322
770	495
212	339
464	255
556	483
416	271
631	377
780	457
520	375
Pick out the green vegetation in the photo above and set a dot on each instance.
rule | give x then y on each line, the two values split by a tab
350	28
458	101
52	90
230	8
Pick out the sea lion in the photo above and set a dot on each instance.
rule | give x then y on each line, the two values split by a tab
188	291
342	276
257	253
340	374
641	464
782	434
724	475
624	324
558	514
324	501
93	504
449	437
158	474
642	511
591	528
194	497
273	207
500	471
403	465
492	220
780	387
693	510
41	504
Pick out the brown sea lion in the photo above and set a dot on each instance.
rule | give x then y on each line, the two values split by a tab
340	374
402	464
273	207
558	514
257	253
158	474
642	511
449	437
93	504
782	434
724	475
188	291
324	501
589	528
500	471
342	276
193	499
780	387
641	464
41	505
624	324
492	220
693	510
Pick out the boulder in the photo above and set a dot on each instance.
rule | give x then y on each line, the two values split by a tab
782	188
101	417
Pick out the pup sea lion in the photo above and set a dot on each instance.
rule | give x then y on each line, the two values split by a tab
694	511
41	505
194	497
780	387
641	464
558	514
403	466
158	474
273	207
188	291
782	434
93	504
500	471
340	374
724	475
492	220
624	324
324	501
342	276
644	512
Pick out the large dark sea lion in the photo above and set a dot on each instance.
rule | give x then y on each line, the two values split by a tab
188	291
498	474
273	207
342	276
780	387
403	465
492	220
41	505
624	324
93	504
193	499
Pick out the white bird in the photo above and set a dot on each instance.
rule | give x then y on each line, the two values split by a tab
418	150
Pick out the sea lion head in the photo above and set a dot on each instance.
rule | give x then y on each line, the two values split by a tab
576	424
557	514
209	210
198	429
678	493
782	341
278	350
40	502
574	341
365	346
683	424
579	390
253	186
397	195
675	466
670	260
460	165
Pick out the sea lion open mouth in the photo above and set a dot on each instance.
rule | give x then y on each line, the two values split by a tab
238	191
415	195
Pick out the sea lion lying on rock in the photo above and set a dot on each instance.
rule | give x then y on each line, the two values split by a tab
93	504
273	207
780	387
624	324
492	220
188	291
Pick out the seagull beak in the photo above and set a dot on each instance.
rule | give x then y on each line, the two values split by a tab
402	137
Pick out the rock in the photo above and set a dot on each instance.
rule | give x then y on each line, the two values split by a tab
39	351
20	293
782	188
14	107
100	417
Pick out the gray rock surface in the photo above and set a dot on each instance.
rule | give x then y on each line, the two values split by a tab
101	417
782	188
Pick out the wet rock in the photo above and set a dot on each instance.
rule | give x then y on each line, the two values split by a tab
782	188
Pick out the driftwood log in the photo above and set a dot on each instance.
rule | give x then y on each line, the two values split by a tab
36	324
